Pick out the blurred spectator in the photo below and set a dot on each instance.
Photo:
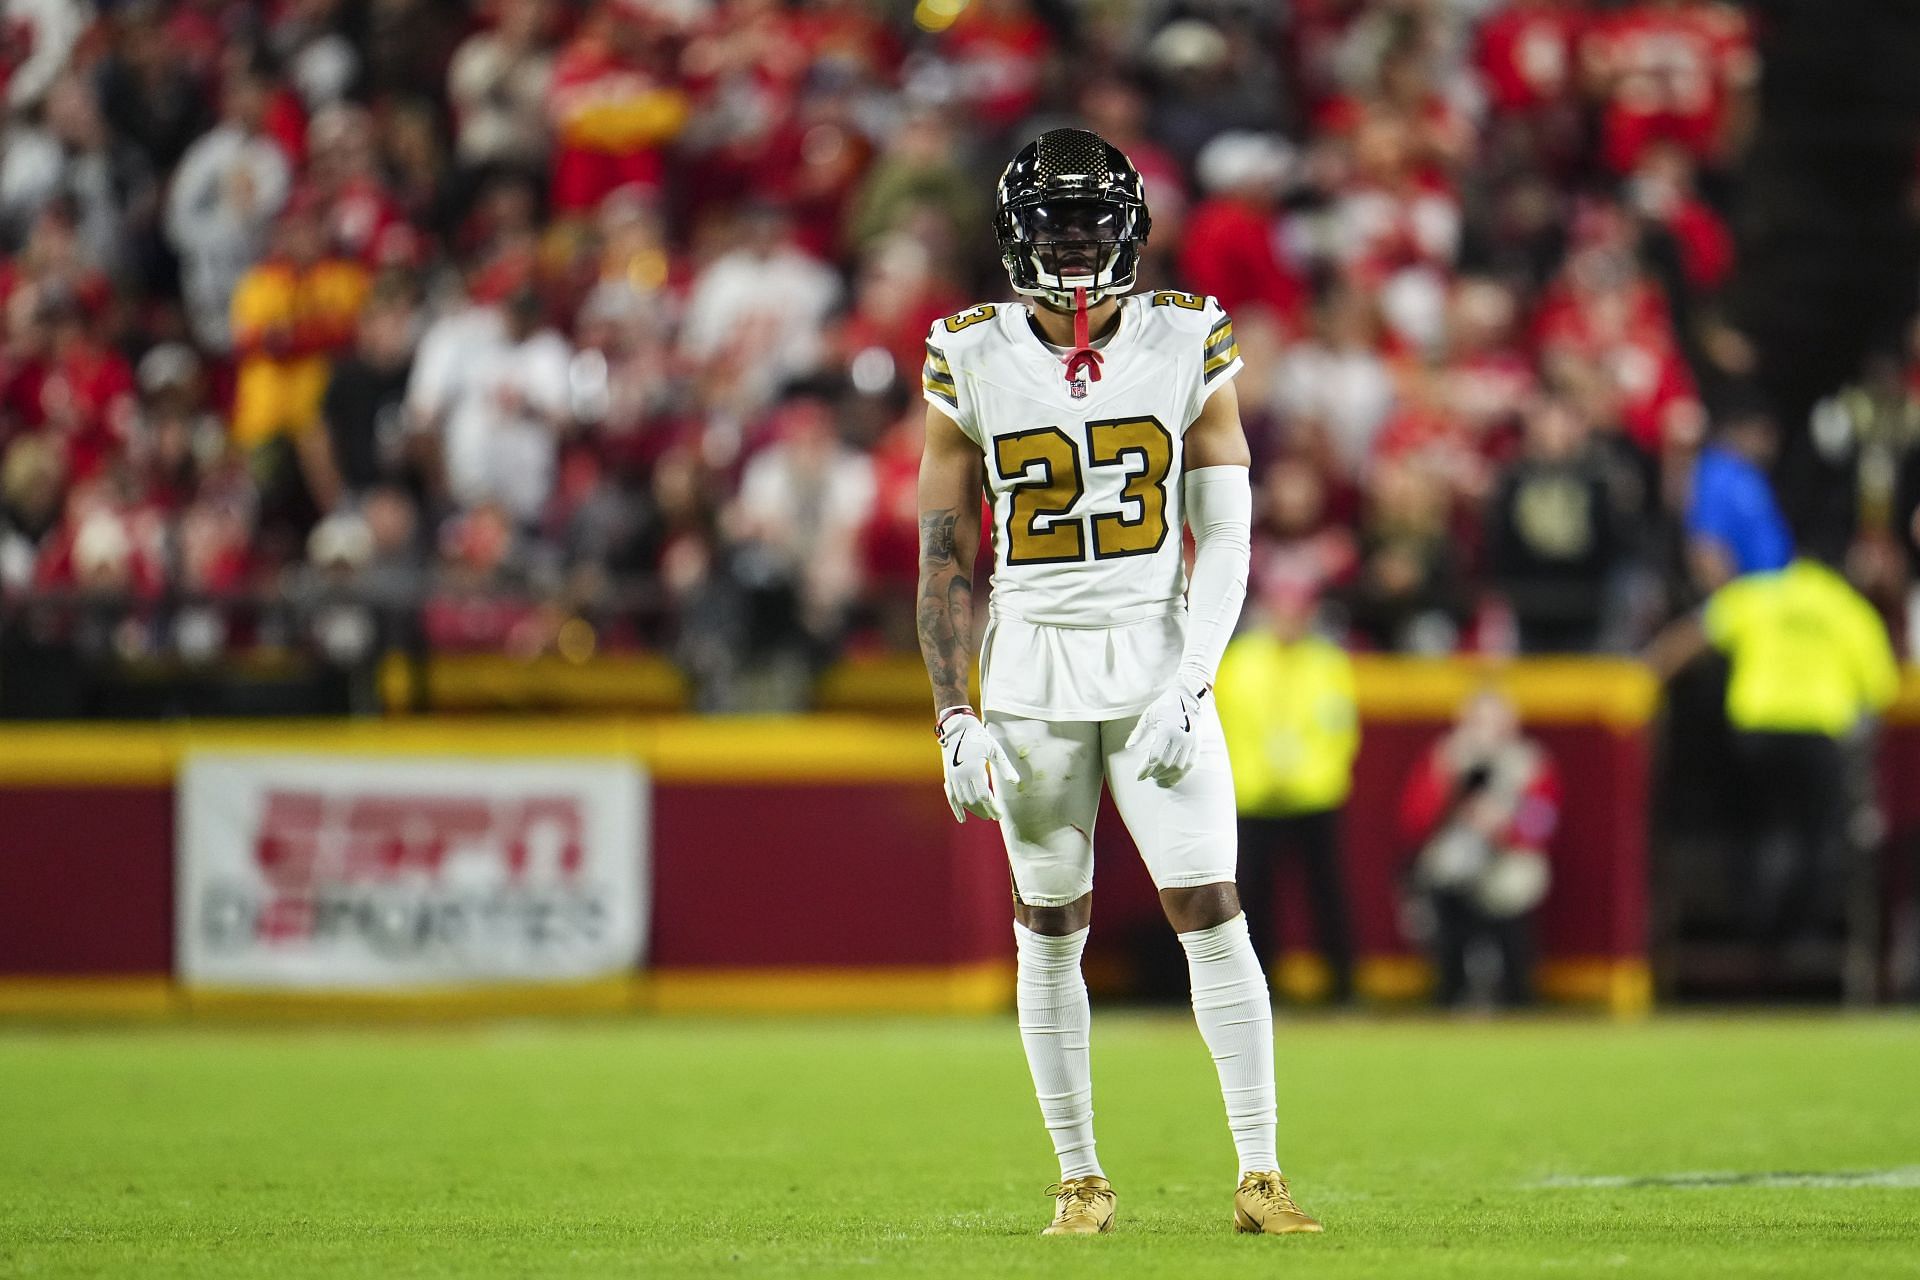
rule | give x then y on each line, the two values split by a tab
1214	73
1810	663
1230	236
222	202
151	92
1117	110
755	313
346	182
804	500
1337	381
1526	53
310	39
363	408
343	622
1671	70
498	86
1286	702
1551	537
40	36
480	598
613	106
75	390
818	157
597	526
417	177
31	476
891	541
1605	315
1300	529
1869	434
179	438
291	314
214	552
997	51
490	384
1481	809
1410	590
920	185
73	156
1488	379
1663	191
408	45
1734	525
1426	431
393	573
106	544
897	297
1397	229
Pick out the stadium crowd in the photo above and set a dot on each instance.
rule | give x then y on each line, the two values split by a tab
597	324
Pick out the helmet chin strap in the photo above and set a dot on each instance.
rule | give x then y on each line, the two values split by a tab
1083	356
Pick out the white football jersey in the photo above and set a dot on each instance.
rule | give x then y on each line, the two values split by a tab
1089	582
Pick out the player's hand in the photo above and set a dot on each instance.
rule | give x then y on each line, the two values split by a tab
972	760
1170	732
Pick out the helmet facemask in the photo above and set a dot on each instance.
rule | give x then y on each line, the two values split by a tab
1053	246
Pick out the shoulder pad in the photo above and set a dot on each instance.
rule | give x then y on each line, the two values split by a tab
1188	311
950	341
964	325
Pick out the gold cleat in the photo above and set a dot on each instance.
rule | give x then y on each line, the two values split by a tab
1264	1205
1085	1207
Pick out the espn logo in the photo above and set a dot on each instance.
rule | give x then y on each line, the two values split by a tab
306	838
338	873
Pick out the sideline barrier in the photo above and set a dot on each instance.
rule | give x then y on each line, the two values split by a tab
810	863
784	834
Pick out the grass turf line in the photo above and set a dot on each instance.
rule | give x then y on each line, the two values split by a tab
914	1148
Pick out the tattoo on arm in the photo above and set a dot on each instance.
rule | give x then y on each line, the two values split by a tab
936	538
945	610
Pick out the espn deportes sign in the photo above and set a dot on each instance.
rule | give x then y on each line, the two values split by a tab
377	873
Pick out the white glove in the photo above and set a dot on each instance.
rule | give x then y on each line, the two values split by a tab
1170	731
966	751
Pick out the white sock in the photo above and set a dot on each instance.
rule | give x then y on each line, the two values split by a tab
1055	1019
1235	1013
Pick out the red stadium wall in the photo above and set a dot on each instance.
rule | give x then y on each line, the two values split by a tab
86	879
813	864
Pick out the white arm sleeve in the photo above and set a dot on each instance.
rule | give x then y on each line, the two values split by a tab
1219	506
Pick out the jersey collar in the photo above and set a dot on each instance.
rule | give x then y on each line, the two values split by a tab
1032	347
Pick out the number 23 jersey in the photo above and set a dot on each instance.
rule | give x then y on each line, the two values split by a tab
1088	611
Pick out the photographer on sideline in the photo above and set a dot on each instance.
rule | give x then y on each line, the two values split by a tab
1481	809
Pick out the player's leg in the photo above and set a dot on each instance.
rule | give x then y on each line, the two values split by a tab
1049	837
1186	833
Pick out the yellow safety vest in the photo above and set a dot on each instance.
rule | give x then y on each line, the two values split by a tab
1291	724
1808	653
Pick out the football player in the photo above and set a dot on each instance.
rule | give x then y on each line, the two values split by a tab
1100	423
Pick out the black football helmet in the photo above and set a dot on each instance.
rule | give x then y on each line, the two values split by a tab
1071	213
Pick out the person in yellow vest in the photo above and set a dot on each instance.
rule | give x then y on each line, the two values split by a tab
1286	702
1809	664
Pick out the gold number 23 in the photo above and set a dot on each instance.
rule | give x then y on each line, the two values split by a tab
1038	531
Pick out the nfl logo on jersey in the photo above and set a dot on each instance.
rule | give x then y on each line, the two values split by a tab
1077	388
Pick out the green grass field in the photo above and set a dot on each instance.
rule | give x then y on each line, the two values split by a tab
913	1148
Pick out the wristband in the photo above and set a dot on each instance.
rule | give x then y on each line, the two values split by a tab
940	723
